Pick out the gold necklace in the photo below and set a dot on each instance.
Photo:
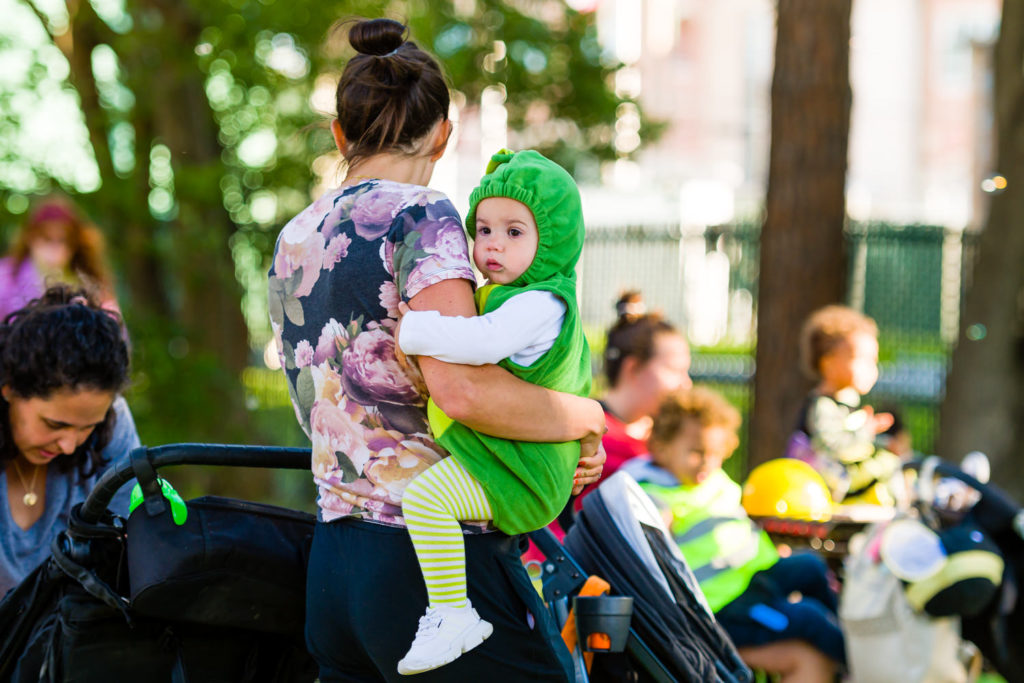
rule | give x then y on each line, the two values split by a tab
30	498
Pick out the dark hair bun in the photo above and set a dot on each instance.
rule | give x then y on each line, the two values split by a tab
630	306
377	36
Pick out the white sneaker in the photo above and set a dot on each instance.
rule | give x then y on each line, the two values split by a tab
443	635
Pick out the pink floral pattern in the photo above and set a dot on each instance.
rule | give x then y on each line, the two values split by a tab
336	250
340	269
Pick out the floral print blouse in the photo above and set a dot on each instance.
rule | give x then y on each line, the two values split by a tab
340	268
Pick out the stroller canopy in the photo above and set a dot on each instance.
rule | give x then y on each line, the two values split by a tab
619	536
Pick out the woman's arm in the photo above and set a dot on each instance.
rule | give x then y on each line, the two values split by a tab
489	399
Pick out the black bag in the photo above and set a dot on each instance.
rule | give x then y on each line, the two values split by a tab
209	569
220	598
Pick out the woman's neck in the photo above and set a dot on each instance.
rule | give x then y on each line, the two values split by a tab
412	170
621	406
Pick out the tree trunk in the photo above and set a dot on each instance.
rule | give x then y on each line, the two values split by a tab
211	310
182	288
984	405
803	265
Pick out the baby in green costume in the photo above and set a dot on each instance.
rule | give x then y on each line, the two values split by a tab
527	224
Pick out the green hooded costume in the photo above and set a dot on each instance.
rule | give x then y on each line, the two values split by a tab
528	484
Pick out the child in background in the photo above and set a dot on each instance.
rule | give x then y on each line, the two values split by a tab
836	434
527	224
56	245
746	584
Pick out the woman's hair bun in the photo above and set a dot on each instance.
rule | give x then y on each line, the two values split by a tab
631	305
377	36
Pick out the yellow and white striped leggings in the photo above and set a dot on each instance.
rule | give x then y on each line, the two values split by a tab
433	505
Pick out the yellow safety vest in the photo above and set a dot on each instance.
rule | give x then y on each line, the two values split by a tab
722	545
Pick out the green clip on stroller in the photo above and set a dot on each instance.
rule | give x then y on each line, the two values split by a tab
209	591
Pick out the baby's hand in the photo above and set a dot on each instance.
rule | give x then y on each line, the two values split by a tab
411	368
408	363
591	463
403	308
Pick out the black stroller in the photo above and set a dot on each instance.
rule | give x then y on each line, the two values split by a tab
619	536
220	596
214	595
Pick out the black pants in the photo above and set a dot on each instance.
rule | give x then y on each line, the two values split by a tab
812	618
365	595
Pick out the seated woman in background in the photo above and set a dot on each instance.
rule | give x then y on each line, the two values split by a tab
56	245
645	360
63	364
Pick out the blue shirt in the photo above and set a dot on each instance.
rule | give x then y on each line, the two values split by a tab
22	550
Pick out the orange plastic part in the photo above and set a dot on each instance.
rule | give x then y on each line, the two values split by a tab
594	585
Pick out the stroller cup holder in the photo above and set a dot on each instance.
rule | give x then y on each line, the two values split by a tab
602	622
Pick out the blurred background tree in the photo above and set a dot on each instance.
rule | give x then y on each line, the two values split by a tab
202	119
984	405
802	261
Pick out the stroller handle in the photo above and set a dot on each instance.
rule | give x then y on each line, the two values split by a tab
995	496
227	455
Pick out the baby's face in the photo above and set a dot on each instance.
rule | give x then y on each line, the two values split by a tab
506	239
696	452
853	364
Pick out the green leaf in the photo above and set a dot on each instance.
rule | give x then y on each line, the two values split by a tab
293	309
292	283
294	395
355	326
403	262
348	470
305	390
275	304
289	354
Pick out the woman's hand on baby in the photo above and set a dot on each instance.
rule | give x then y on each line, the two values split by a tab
410	365
591	464
403	308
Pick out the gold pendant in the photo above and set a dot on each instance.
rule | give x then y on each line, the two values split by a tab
30	499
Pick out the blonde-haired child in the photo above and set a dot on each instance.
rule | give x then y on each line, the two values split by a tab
836	433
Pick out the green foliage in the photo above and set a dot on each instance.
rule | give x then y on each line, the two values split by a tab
198	128
547	60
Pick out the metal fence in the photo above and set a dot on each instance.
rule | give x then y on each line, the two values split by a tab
909	278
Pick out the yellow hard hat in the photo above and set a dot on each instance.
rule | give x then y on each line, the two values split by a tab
786	487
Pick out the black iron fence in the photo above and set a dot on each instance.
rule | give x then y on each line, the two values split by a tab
909	278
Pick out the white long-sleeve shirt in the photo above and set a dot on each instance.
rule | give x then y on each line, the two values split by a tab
522	330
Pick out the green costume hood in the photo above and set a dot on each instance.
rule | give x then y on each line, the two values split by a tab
551	194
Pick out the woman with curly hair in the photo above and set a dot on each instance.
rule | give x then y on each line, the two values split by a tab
63	363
